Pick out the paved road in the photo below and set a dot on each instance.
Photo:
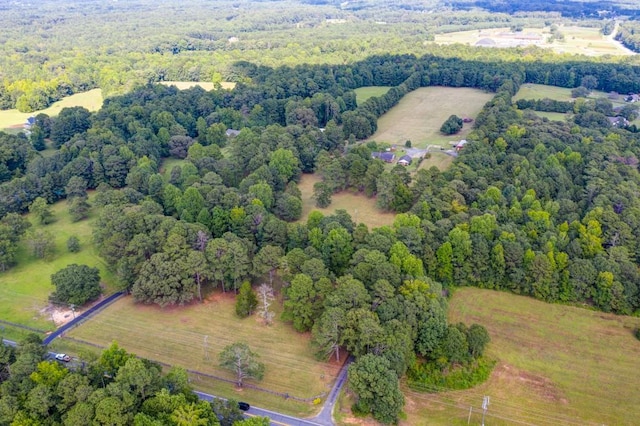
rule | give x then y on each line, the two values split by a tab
276	418
83	316
326	414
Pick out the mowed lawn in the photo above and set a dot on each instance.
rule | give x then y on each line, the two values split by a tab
91	100
438	159
361	208
192	337
420	114
366	92
25	288
556	365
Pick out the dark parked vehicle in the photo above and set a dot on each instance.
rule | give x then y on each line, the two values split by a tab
243	406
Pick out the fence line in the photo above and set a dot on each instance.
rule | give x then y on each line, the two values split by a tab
284	395
25	327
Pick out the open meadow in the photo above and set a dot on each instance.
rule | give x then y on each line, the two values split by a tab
192	337
361	208
556	365
420	114
25	288
577	40
12	118
366	92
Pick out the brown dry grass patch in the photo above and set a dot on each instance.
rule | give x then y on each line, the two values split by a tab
361	208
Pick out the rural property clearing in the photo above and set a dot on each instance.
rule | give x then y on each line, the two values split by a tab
25	288
556	364
192	337
577	40
420	114
366	92
91	100
361	208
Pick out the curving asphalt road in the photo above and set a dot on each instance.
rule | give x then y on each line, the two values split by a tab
325	417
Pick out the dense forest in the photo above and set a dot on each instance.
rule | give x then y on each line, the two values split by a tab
116	388
47	54
541	208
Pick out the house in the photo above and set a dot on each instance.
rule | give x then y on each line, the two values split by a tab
405	160
460	145
31	121
387	157
618	121
231	133
632	97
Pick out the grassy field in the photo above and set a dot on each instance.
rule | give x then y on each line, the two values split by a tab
206	85
364	93
168	164
577	40
420	114
553	116
556	365
177	336
25	288
441	160
91	100
361	208
541	91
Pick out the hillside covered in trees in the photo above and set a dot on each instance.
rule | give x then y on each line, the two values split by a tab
541	208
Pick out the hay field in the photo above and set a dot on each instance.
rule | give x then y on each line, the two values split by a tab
420	114
556	365
91	100
361	208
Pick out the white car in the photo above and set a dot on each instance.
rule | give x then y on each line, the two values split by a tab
63	357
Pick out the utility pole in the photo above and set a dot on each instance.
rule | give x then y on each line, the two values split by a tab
485	406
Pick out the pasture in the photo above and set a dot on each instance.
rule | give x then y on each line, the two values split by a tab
361	208
577	40
364	93
192	337
438	159
541	91
420	114
25	288
556	365
14	119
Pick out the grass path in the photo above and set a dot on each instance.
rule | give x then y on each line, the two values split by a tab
556	365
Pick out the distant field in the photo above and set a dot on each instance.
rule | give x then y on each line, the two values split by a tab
541	91
577	40
206	85
556	365
177	336
420	114
91	100
364	93
25	288
361	208
553	116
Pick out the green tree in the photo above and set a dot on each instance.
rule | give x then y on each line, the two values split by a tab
41	210
452	125
376	387
246	300
41	243
267	260
300	307
477	338
75	284
244	363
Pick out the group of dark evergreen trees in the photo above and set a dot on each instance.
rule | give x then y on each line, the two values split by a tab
546	209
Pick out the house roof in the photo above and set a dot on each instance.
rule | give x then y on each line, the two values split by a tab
232	132
405	158
384	156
